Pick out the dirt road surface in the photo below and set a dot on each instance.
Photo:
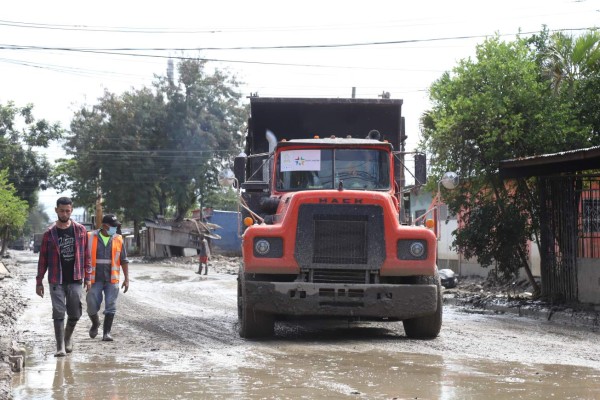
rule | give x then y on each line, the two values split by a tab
176	338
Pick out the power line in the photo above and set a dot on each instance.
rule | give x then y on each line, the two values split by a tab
69	70
278	47
282	64
124	52
89	28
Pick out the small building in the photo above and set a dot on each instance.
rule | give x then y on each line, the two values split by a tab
569	201
169	238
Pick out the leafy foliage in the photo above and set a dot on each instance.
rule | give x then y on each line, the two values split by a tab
495	244
226	199
501	106
20	132
13	210
37	221
155	151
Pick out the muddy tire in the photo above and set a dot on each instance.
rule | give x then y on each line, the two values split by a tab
253	324
427	327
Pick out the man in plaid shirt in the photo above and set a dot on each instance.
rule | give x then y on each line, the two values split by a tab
64	254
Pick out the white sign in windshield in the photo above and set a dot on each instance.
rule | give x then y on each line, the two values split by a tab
301	160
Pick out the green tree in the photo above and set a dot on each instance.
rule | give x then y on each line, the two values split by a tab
20	134
226	199
13	210
569	60
500	106
37	221
205	121
155	151
572	66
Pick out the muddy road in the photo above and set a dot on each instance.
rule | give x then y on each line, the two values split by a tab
176	338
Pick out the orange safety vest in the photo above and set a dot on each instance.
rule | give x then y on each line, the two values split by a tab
115	262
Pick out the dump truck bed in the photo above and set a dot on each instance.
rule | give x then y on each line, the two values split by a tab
303	118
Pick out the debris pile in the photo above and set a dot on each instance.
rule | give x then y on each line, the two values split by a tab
478	294
218	263
12	305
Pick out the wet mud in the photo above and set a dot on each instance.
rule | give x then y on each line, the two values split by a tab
176	338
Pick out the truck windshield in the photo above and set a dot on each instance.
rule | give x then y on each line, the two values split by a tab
313	169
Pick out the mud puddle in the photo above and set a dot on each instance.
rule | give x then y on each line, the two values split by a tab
77	377
294	373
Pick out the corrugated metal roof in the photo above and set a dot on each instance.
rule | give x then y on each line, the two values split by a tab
551	164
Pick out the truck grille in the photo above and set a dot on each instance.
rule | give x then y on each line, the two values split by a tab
339	276
340	237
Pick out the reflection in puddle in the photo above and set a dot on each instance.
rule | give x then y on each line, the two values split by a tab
291	372
75	377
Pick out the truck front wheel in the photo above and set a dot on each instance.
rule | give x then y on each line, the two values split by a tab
253	324
427	327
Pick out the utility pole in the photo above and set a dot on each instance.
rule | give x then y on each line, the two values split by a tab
98	222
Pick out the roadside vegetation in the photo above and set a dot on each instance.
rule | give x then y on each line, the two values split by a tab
156	151
530	96
24	171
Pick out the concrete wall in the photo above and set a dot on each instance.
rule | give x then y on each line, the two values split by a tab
588	280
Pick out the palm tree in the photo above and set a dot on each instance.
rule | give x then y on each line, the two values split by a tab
570	59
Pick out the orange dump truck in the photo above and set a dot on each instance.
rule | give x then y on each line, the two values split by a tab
320	183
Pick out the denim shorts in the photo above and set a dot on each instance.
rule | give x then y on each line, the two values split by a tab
108	291
66	297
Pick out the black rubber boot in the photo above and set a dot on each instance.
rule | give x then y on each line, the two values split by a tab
199	269
59	333
69	333
95	325
108	320
206	269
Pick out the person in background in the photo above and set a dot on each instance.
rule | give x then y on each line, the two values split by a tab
203	256
108	257
64	254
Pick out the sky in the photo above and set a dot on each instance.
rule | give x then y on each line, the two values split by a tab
63	55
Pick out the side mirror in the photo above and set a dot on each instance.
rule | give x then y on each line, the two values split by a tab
239	168
450	180
226	178
420	169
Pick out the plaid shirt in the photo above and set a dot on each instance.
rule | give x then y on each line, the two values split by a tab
50	256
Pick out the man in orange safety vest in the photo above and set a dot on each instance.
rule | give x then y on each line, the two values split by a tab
108	256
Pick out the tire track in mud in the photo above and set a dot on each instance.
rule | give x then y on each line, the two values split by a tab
176	308
173	328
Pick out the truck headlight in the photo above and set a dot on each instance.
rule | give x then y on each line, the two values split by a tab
412	249
417	249
262	247
268	247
